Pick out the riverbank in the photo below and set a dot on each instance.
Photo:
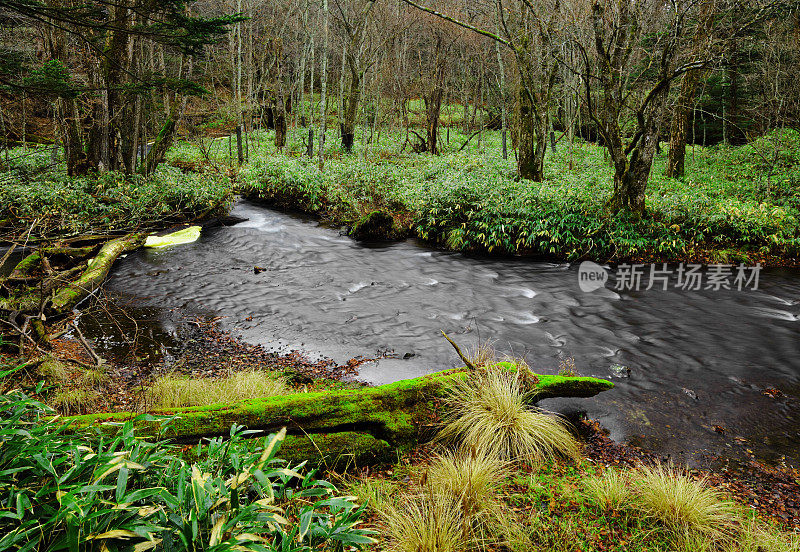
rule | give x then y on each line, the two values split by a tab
596	497
735	204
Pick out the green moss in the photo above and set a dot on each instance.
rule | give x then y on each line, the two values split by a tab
340	450
389	417
26	266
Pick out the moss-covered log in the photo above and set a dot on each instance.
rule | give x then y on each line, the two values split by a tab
367	424
97	270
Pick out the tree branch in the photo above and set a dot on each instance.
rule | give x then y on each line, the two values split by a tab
459	23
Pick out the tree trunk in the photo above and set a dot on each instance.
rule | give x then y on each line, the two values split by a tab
70	295
680	124
686	97
433	106
390	417
531	138
323	107
77	162
280	125
348	124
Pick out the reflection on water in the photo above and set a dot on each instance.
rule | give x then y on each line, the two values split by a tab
696	358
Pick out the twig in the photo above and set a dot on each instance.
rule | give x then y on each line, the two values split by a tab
86	345
466	361
7	255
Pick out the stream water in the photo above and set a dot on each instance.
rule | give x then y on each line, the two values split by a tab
682	361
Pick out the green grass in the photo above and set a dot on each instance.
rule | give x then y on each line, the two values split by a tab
177	392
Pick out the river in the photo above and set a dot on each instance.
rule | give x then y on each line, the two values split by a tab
683	361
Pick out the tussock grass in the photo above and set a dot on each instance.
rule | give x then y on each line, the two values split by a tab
609	491
378	494
427	523
487	411
482	354
53	371
93	377
176	392
755	536
683	505
74	401
538	534
470	477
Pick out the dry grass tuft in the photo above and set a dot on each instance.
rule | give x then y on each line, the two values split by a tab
176	392
467	476
556	534
74	401
488	412
682	504
93	377
427	523
53	371
609	491
567	367
755	536
377	493
482	355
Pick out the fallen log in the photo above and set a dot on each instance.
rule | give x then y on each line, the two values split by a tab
73	293
370	424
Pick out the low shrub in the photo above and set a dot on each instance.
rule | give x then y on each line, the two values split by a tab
90	492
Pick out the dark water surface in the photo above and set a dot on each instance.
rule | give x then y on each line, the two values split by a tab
696	358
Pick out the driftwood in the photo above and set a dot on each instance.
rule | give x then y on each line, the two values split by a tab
367	424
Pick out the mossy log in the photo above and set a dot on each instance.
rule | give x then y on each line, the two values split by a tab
366	425
70	295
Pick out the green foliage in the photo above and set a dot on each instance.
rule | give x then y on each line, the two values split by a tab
51	78
744	200
30	188
87	492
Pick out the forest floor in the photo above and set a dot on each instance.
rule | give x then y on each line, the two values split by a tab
554	509
736	204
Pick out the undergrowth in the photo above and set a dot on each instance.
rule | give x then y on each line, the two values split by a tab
735	204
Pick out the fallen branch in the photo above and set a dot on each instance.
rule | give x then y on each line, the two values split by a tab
97	360
70	295
461	355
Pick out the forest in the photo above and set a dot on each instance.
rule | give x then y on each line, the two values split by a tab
248	248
